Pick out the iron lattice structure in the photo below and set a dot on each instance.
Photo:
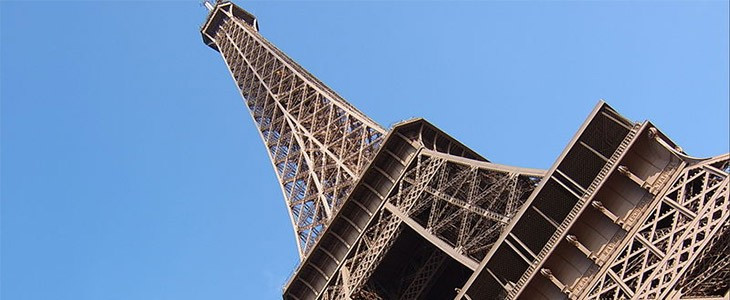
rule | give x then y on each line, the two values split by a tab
690	218
317	142
411	213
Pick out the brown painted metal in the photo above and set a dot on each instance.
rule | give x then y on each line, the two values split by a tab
412	213
317	142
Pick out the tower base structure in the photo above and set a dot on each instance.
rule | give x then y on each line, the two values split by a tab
411	213
623	213
417	224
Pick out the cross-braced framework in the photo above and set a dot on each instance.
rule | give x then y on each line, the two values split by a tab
626	215
460	206
318	143
683	239
709	274
623	213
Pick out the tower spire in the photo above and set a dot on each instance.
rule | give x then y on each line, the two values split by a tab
623	212
208	4
317	142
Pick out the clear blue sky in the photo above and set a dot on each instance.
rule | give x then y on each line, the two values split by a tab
131	170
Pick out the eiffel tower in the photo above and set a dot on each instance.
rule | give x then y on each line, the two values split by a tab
411	213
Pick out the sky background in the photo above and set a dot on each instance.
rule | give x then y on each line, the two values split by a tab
131	170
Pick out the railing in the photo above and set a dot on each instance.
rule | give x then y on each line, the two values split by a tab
576	209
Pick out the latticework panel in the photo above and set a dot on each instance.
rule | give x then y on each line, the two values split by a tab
369	251
419	280
709	275
462	207
684	229
317	142
467	206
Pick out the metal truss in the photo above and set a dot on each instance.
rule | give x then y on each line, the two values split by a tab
709	275
353	201
458	205
416	282
317	142
610	163
681	247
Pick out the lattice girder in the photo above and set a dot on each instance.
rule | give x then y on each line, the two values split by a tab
678	233
437	170
467	207
317	142
323	152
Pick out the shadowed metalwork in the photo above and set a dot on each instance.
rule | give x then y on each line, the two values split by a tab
411	213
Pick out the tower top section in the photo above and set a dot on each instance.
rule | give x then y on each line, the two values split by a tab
220	11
